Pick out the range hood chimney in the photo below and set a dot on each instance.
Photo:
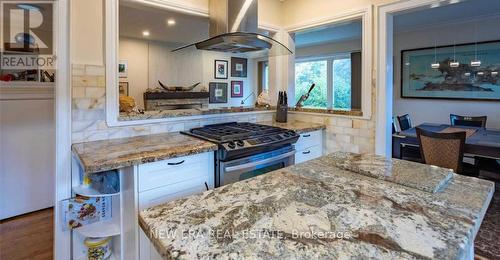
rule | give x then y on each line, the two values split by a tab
234	29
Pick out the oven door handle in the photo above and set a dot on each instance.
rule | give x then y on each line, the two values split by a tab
253	164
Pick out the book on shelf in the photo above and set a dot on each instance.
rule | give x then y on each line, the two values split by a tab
80	211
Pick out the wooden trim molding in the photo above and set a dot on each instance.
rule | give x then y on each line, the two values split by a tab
366	15
62	239
385	71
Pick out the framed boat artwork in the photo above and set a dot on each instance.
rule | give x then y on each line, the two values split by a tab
464	72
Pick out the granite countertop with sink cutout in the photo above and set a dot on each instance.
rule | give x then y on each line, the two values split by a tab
112	154
337	206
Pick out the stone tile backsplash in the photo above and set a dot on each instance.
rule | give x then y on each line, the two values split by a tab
89	118
89	114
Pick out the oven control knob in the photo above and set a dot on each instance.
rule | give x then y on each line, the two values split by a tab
231	145
240	143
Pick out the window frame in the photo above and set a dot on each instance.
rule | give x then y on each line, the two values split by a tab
366	15
330	88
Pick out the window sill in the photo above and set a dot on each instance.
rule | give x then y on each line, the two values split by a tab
357	113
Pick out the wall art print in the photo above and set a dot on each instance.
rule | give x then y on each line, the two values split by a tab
420	80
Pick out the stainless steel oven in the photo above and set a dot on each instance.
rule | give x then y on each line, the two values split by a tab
254	165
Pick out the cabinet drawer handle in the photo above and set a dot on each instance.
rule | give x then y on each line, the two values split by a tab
308	135
176	163
206	186
306	152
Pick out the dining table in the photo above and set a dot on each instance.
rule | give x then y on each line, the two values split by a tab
480	142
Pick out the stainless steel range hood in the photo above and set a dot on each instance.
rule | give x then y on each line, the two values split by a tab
234	29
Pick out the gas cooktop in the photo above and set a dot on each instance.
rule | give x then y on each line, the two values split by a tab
243	139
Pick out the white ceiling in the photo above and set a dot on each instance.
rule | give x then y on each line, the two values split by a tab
340	32
466	10
134	19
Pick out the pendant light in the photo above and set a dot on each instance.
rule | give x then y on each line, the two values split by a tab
454	63
435	65
475	62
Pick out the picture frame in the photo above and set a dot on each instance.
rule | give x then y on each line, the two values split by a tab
465	82
123	68
239	67
123	88
218	92
220	69
236	88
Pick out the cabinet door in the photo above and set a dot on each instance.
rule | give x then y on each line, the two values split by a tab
147	250
308	154
173	171
168	193
309	139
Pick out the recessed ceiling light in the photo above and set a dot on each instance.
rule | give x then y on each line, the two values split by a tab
145	33
171	22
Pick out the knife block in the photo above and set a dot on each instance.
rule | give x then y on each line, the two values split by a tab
282	113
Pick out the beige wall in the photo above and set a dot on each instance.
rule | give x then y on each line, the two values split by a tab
424	110
87	28
299	11
86	35
342	133
329	49
150	61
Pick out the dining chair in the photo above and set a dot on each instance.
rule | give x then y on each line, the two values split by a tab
394	130
408	152
404	122
444	150
475	121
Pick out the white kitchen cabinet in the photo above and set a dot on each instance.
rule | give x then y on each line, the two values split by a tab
309	146
167	180
147	250
173	171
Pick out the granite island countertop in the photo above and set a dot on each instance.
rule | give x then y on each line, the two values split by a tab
112	154
297	126
320	209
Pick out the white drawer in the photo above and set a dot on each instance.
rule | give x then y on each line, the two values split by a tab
171	171
168	193
308	154
309	139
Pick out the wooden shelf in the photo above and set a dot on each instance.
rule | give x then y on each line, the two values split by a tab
107	228
90	192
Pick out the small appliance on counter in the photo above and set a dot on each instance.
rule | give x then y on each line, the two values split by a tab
304	97
282	107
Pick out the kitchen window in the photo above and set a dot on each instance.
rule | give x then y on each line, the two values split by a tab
333	76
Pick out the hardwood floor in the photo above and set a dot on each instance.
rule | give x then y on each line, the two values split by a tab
29	236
